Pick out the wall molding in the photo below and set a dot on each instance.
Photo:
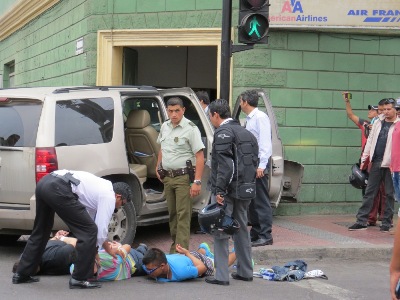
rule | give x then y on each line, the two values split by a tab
22	13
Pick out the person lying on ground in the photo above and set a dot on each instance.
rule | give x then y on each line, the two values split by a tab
181	266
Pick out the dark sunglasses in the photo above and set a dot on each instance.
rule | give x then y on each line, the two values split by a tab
149	272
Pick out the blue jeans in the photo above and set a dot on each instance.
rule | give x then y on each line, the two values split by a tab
396	185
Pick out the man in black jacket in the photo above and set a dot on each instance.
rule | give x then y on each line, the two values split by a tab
232	181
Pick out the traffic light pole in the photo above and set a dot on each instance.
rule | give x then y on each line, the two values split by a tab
227	48
226	44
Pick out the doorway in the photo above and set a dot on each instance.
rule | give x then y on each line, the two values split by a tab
170	67
163	58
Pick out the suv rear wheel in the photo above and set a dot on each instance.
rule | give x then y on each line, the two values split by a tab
122	226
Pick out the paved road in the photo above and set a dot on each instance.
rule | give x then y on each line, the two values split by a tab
348	279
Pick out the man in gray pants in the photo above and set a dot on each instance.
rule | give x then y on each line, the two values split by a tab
234	164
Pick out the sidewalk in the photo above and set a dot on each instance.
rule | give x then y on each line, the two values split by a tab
298	237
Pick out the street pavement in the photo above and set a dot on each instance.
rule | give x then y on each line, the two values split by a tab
297	237
356	263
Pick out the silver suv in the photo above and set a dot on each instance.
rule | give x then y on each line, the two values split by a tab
110	132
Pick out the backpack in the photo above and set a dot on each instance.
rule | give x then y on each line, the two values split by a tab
246	161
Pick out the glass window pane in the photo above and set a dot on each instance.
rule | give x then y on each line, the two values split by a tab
19	123
84	121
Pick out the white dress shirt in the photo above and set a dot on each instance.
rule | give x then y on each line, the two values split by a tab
258	123
97	195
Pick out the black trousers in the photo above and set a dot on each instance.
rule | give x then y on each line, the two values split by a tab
260	212
55	195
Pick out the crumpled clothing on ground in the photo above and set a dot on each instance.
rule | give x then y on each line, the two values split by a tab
291	271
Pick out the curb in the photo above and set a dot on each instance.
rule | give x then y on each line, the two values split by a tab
378	252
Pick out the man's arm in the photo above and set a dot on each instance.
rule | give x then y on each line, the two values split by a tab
200	266
62	235
195	188
349	110
159	160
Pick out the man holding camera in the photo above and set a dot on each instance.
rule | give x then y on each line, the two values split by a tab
180	141
377	152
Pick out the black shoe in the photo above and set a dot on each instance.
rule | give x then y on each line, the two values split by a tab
384	228
357	226
19	278
83	284
238	277
262	242
253	239
371	224
215	281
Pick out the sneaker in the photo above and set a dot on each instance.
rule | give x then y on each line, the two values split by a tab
357	226
371	224
384	228
207	249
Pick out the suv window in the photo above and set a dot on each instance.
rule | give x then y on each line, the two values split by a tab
84	121
148	104
19	123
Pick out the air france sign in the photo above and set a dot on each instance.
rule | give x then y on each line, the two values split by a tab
337	13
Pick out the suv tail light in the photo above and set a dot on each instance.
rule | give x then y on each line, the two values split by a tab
46	162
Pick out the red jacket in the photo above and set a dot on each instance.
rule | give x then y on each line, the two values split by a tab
395	155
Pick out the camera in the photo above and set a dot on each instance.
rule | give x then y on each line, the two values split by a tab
348	96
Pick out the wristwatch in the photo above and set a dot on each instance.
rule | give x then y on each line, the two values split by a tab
196	181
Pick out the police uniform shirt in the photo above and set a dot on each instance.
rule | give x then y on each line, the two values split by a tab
258	123
179	144
97	195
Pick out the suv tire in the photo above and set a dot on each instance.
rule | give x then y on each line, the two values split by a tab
122	226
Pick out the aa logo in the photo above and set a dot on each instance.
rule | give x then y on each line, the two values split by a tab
292	6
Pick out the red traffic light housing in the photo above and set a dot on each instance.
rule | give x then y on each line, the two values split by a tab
253	21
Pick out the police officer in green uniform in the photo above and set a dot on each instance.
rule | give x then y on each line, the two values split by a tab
180	141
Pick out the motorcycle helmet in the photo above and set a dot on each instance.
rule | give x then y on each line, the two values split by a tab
212	218
358	178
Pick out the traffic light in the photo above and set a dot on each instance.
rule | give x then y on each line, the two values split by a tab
253	21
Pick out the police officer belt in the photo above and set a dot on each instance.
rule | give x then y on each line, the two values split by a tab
175	173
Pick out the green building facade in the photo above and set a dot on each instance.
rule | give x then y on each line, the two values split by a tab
303	73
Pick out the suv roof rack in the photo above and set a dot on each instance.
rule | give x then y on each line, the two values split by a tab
102	88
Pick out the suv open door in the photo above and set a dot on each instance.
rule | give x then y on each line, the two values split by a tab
280	184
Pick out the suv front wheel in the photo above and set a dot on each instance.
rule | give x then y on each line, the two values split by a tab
122	227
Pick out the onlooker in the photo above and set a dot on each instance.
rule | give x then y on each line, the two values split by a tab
378	151
365	127
395	160
85	203
232	181
182	266
363	124
180	141
204	100
260	210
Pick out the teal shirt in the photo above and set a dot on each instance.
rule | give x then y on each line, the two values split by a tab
179	144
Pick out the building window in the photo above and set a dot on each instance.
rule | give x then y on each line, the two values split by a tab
9	74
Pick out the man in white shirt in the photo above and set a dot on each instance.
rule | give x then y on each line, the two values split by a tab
260	211
85	203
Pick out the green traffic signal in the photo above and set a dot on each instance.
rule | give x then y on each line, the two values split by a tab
255	26
253	21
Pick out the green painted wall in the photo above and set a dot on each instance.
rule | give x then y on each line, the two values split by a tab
303	73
